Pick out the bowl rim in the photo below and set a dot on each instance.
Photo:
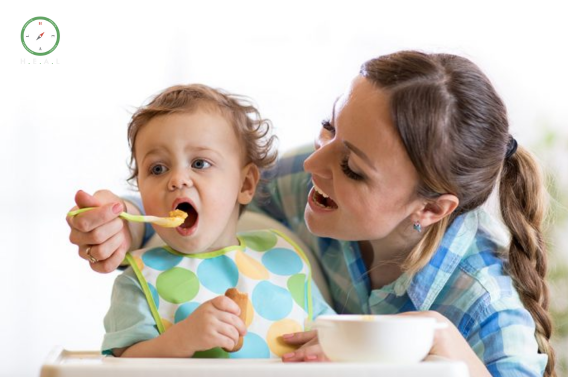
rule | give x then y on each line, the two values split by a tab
372	318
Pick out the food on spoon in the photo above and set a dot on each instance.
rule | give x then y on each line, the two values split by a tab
176	218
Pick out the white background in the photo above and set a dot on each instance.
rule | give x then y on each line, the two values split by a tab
63	125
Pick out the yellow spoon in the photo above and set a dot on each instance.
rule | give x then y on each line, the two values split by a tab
176	218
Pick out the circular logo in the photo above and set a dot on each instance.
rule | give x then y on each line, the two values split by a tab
40	36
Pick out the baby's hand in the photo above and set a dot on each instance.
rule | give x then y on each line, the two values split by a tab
215	323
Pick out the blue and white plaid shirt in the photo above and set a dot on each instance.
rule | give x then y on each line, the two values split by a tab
465	279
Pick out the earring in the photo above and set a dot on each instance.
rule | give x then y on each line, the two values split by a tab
417	227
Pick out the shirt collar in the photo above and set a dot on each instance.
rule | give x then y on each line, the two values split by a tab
426	284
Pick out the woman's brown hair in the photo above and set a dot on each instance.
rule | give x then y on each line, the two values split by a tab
442	102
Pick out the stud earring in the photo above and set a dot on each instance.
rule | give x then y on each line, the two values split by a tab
417	227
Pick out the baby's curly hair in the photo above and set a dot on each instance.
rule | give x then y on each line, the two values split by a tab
253	131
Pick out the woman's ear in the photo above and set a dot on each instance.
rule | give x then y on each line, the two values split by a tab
250	177
437	209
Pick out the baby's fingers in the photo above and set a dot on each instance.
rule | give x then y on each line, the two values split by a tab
225	304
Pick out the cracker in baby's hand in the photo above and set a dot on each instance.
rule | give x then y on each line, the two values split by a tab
241	299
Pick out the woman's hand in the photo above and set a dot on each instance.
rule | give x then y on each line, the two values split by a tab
100	232
310	349
450	344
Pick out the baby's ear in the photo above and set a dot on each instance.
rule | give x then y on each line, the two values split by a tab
250	177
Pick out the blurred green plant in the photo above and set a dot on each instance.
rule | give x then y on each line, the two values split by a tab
552	150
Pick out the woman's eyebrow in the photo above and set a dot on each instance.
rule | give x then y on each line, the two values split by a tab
360	153
333	110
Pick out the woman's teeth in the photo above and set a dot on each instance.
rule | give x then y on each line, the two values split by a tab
319	191
322	199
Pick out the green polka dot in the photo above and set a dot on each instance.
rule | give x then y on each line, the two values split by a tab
259	240
213	353
177	285
297	286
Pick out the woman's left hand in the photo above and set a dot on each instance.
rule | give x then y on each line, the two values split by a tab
310	349
450	344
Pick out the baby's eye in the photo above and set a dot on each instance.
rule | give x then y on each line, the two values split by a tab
200	164
158	169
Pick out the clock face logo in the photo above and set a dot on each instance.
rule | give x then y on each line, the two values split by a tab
40	36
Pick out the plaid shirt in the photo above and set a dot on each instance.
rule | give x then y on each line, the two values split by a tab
465	279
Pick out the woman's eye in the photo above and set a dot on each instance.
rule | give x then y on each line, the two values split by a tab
158	169
326	124
200	164
348	172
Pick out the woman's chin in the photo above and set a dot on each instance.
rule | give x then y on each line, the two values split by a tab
317	228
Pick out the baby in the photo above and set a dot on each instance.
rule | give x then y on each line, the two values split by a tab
201	151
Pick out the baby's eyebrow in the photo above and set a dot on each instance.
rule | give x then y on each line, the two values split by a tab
199	148
153	151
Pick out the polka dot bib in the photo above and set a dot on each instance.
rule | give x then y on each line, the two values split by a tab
267	265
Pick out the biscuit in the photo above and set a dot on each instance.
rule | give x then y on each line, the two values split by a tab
241	299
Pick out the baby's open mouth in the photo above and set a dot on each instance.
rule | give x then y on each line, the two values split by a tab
322	199
192	215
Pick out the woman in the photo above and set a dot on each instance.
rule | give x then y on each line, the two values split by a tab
390	203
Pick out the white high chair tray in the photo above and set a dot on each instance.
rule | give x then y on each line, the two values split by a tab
64	363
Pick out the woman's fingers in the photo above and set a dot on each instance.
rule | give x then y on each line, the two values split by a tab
300	338
100	231
82	199
111	263
104	248
311	351
99	235
88	221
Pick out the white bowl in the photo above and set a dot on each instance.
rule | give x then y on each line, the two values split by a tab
376	338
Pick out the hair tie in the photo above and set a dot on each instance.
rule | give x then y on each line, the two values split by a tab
511	148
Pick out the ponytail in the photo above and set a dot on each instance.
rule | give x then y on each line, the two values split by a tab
455	130
523	207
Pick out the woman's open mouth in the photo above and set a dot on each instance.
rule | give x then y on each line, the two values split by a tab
190	223
321	199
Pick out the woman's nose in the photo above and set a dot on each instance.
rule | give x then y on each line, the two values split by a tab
179	179
319	162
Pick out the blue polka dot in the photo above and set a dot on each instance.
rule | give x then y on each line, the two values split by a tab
185	310
155	295
271	301
282	261
218	274
254	347
160	259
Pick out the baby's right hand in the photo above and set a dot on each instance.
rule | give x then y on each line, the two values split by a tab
215	323
100	231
